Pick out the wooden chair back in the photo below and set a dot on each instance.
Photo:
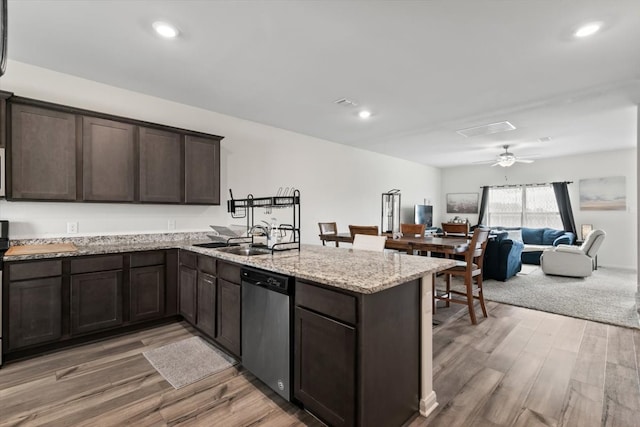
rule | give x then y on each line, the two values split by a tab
371	230
477	246
412	229
328	228
471	271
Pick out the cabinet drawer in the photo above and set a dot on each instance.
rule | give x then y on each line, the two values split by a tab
229	272
207	264
188	259
92	264
32	270
144	259
331	303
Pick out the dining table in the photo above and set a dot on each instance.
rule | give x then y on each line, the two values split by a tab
410	244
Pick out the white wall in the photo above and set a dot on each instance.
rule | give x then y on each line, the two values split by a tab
620	246
337	183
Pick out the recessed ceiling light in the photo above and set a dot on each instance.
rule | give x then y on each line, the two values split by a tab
588	29
364	114
166	30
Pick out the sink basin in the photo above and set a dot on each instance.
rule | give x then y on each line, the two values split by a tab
245	250
211	245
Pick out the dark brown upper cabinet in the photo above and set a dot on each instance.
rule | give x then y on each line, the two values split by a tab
3	117
58	153
161	170
108	160
202	170
42	154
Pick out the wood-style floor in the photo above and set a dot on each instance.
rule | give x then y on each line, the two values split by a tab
110	383
517	368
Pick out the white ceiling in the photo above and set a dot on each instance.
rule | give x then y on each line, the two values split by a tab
424	68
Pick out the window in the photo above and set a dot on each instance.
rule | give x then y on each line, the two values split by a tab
523	206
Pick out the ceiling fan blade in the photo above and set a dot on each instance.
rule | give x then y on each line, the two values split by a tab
524	160
495	164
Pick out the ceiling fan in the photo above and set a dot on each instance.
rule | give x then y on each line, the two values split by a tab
507	159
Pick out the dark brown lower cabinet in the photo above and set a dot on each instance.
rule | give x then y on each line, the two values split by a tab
206	305
96	301
357	356
35	312
147	297
54	301
187	294
228	327
325	366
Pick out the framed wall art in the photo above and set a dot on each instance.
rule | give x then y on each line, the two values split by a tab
466	203
603	194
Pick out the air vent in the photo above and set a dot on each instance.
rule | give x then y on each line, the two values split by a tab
545	139
486	129
346	102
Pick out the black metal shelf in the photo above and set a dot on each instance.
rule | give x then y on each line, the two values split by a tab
243	208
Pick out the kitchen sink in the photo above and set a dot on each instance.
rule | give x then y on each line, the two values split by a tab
245	250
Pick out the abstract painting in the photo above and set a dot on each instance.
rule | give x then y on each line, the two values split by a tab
603	194
462	203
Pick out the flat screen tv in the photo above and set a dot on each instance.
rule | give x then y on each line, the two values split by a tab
423	215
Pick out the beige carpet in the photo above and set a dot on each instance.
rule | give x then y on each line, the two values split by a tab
528	269
185	362
607	296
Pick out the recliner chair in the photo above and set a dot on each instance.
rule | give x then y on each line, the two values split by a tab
573	261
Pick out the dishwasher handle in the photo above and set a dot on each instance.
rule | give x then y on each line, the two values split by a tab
267	280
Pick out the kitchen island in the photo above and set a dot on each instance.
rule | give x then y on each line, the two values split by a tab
370	280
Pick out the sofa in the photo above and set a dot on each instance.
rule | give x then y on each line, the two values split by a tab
537	240
502	257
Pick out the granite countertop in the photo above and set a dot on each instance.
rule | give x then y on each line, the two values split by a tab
355	270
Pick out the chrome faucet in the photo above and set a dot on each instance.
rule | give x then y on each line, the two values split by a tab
259	227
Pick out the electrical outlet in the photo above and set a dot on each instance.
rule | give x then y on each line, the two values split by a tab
171	224
72	227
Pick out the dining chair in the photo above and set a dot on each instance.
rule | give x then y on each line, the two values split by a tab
470	270
328	228
412	229
456	228
368	242
371	230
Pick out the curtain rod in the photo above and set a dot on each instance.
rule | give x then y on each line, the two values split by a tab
524	185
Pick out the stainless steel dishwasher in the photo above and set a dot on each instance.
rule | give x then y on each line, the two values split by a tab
266	328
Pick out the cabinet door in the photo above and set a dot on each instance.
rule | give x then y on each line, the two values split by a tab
207	304
202	171
43	154
187	293
228	327
161	166
35	312
147	293
324	366
108	153
96	301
